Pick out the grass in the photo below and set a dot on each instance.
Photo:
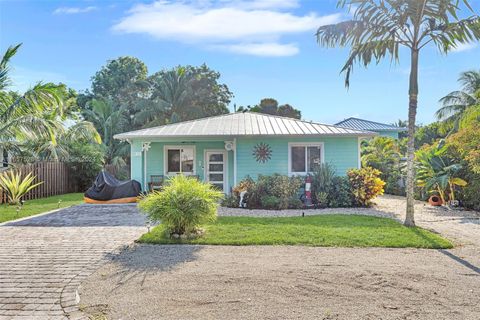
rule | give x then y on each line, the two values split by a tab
321	230
33	207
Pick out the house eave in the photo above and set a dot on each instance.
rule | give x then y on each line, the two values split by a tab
227	137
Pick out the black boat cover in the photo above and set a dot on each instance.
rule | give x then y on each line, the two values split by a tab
107	187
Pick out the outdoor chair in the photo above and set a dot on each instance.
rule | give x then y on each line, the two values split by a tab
156	182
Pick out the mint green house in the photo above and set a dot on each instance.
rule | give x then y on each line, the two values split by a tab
225	149
385	130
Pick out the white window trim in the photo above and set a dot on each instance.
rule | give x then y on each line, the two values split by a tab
304	144
165	158
225	167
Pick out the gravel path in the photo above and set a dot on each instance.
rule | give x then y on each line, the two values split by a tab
286	282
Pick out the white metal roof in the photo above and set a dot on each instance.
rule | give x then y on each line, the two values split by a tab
361	124
242	124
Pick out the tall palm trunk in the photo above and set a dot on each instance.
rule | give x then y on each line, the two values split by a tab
412	113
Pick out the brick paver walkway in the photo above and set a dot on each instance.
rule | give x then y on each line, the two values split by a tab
43	259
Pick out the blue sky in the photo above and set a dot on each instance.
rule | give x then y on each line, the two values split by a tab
262	48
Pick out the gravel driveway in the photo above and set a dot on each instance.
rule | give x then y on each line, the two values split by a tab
286	282
43	259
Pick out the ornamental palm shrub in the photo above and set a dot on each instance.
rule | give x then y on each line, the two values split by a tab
323	183
183	204
16	187
366	185
437	172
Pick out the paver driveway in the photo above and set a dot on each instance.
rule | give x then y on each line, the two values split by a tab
43	259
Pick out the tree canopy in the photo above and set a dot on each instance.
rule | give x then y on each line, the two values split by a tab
271	106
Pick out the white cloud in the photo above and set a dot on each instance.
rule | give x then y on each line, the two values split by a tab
73	10
265	4
248	27
271	49
464	47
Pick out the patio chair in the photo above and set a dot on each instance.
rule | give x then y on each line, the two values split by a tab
156	182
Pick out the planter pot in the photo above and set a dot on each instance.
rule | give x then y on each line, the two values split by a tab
435	201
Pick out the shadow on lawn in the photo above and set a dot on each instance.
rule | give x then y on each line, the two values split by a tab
137	262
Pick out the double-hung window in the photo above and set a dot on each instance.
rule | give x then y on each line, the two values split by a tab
304	158
179	160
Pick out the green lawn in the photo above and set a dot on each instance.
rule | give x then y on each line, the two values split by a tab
33	207
323	230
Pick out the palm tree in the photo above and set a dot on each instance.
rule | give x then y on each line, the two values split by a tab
109	122
381	153
379	28
46	149
22	116
456	103
437	173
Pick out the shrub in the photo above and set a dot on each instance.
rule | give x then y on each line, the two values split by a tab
323	178
469	194
270	202
295	203
182	205
231	201
85	161
366	185
395	183
279	186
322	199
341	193
16	187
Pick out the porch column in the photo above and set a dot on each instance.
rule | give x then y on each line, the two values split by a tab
145	148
234	162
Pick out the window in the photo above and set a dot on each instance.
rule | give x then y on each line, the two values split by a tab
304	158
180	160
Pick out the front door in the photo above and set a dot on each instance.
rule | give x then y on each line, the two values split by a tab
216	169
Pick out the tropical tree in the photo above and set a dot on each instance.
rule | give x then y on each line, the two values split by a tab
379	28
109	122
271	106
437	173
59	150
22	115
456	103
183	93
384	154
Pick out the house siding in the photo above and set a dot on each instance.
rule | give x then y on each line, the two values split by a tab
341	152
155	158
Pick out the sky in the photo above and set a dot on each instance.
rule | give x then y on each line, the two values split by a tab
262	48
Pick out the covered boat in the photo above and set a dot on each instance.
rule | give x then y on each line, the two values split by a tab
108	189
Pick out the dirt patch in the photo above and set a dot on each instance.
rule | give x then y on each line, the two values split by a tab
285	282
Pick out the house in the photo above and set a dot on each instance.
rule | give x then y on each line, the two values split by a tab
225	149
382	129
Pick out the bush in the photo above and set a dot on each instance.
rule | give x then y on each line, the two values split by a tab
182	205
281	187
366	185
230	201
395	183
295	203
85	162
15	186
323	184
270	202
469	194
341	193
